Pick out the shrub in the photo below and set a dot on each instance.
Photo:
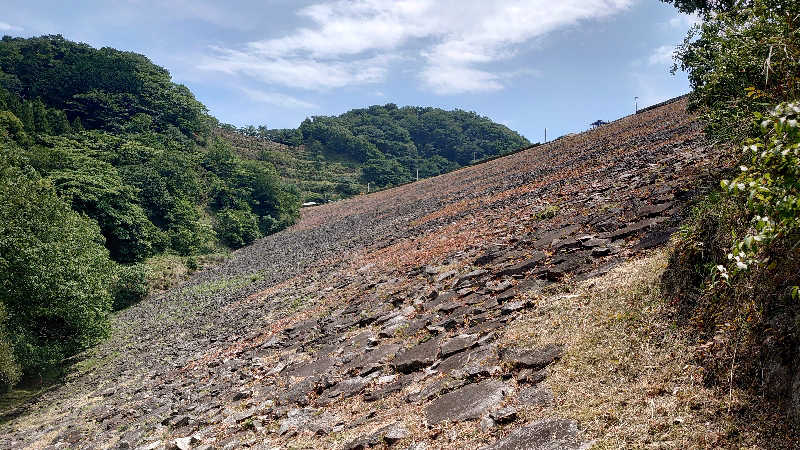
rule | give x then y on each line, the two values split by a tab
733	274
9	369
769	184
237	228
130	286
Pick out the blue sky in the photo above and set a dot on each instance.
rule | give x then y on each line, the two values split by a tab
529	64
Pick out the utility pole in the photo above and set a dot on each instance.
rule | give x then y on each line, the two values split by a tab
636	104
545	135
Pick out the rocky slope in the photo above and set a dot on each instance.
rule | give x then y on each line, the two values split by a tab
380	320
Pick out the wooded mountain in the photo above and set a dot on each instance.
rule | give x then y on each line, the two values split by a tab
388	144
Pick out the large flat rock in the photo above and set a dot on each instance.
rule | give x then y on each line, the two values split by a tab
469	402
547	434
534	358
417	357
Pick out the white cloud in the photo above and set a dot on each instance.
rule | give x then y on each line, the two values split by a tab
278	99
661	55
8	27
299	72
456	42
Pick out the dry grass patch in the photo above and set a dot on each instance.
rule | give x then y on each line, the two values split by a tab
628	376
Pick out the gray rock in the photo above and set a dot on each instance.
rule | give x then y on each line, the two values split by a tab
185	443
469	402
394	433
314	367
512	307
521	267
533	358
440	386
487	423
535	396
477	273
547	434
446	275
417	357
458	344
481	357
504	415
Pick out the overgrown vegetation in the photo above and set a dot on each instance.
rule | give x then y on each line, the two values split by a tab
107	164
387	145
734	273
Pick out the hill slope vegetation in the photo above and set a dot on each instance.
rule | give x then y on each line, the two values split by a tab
106	163
382	146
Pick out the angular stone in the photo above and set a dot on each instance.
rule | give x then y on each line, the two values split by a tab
457	344
504	415
630	229
547	434
500	287
524	266
531	376
511	307
535	396
595	242
384	391
372	360
446	275
533	358
469	402
442	297
394	433
477	273
345	388
469	362
653	210
417	357
440	386
654	239
315	367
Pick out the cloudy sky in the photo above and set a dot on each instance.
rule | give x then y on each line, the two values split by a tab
529	64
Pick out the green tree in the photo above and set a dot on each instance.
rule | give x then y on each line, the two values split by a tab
743	58
10	370
27	117
237	228
55	272
40	120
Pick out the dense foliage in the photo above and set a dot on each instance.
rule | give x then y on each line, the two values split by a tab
741	60
769	186
105	89
55	274
735	271
391	144
106	163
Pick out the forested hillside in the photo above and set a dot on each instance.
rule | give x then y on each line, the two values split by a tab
384	145
106	165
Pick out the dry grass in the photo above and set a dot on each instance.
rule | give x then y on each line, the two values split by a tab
628	376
